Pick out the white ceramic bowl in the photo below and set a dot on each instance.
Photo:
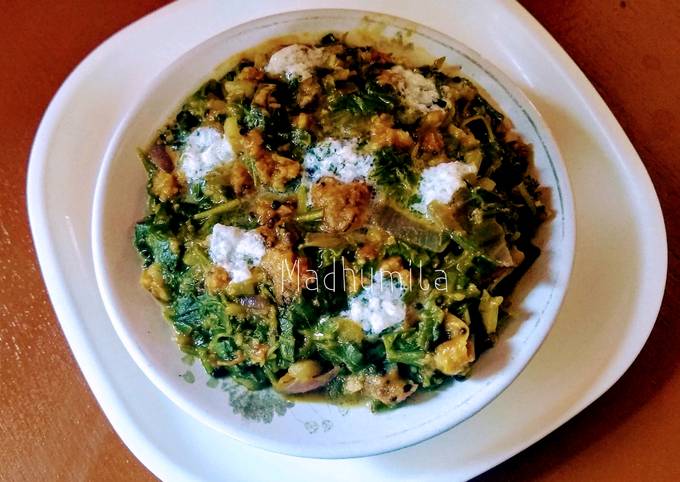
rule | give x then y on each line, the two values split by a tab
262	418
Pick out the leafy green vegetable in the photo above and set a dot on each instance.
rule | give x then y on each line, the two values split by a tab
218	210
416	257
431	317
298	315
254	117
251	377
191	312
481	107
301	141
328	340
402	347
369	100
156	244
393	171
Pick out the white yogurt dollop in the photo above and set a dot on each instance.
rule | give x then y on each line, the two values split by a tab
236	250
296	62
379	305
417	91
340	159
205	149
440	183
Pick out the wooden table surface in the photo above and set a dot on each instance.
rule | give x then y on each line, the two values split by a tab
51	428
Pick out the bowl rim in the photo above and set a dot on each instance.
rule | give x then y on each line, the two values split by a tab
413	435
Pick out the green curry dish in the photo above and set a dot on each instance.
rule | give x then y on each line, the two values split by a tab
331	218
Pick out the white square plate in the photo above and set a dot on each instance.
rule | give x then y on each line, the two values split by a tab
610	308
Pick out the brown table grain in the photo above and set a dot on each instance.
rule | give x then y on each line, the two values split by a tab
50	425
